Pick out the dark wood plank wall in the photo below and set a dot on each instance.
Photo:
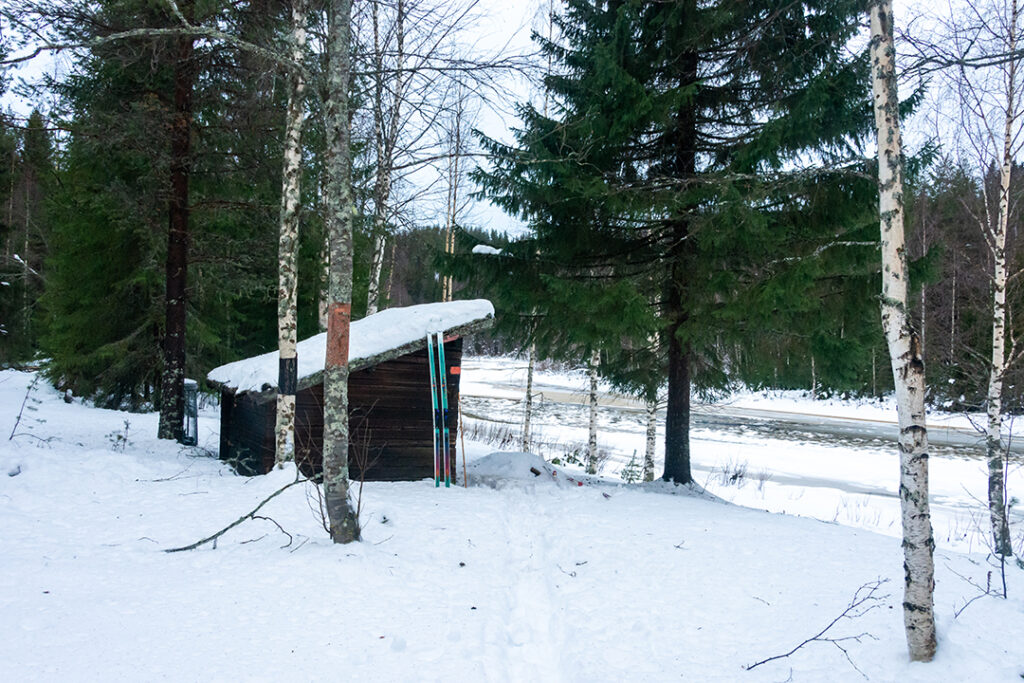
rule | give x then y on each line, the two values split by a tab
246	433
390	416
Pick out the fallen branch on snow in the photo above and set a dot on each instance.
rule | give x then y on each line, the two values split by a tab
863	601
247	516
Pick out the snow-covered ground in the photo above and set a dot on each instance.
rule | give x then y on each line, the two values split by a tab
516	578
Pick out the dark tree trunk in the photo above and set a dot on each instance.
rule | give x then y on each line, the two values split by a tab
172	398
677	419
677	415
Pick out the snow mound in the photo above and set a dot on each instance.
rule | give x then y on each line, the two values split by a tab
504	468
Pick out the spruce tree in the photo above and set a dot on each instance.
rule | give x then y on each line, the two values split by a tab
696	175
111	208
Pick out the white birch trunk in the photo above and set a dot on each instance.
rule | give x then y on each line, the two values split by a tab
288	247
453	192
25	256
341	517
652	438
994	402
325	278
391	274
528	411
376	267
386	135
595	358
952	314
904	346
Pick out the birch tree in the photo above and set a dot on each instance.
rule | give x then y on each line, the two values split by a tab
904	346
996	114
418	74
528	408
288	244
455	172
388	98
344	526
988	131
651	439
595	359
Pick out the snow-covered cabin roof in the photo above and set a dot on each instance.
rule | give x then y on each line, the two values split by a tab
376	338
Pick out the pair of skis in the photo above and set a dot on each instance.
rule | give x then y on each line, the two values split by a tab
439	403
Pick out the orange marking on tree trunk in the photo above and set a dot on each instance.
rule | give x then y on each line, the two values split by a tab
339	318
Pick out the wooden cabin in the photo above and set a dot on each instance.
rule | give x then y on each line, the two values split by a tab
390	411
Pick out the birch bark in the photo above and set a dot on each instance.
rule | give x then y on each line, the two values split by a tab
454	178
25	256
994	403
386	128
652	437
595	358
528	413
341	517
904	346
288	246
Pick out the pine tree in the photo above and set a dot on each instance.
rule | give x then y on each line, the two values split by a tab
669	193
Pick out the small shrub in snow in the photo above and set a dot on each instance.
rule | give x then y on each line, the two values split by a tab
494	433
733	473
761	477
572	457
119	438
631	472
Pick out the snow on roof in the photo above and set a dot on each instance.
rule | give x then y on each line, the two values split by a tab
486	250
374	339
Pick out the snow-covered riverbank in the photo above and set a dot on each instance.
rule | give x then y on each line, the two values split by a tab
783	466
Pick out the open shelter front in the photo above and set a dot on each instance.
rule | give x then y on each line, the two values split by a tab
390	411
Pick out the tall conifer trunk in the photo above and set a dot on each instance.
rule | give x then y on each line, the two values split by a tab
288	245
344	526
172	383
677	415
904	347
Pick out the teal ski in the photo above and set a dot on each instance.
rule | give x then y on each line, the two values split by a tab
442	372
435	410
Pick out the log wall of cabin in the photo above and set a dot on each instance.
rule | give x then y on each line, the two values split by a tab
390	418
